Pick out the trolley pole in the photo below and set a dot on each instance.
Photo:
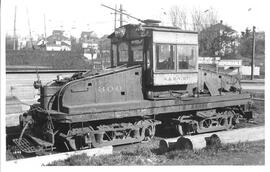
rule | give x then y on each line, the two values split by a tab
253	54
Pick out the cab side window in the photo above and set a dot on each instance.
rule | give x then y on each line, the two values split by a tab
114	53
186	57
137	50
165	56
123	52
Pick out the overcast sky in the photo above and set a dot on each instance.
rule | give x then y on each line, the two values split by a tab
82	15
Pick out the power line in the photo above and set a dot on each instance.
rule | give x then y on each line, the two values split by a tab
123	13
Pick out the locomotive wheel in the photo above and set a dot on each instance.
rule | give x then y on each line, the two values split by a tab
229	119
149	133
222	121
206	123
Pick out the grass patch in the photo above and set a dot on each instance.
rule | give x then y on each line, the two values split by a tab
250	153
141	156
258	108
229	154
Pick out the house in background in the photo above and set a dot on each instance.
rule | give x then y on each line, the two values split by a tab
58	42
41	44
89	45
22	42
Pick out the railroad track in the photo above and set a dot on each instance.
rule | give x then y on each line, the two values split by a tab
258	99
253	85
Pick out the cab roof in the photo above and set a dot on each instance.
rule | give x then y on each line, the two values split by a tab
129	30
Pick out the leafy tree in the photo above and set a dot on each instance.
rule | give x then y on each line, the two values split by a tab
246	41
217	40
260	46
76	46
10	42
104	45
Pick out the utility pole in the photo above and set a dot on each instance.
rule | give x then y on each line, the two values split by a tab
44	26
219	39
14	31
253	54
115	15
121	15
29	28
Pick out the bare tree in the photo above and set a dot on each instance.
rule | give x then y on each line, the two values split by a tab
197	19
210	17
203	19
178	17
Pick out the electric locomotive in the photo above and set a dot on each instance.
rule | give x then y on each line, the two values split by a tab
154	79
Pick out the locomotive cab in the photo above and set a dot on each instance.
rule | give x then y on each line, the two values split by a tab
168	57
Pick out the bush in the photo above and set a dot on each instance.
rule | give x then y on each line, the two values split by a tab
51	59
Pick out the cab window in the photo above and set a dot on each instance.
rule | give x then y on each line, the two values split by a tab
186	57
165	56
114	53
137	50
123	52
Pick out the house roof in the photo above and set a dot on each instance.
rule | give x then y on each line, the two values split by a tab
66	43
86	33
60	32
57	38
41	42
57	35
221	26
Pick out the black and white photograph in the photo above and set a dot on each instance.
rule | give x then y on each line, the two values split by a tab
133	83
